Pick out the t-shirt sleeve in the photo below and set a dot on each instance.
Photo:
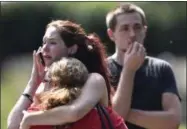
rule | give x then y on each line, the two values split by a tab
168	80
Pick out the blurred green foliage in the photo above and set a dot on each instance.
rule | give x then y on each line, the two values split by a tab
23	24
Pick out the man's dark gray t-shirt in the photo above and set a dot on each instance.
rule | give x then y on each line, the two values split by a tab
152	79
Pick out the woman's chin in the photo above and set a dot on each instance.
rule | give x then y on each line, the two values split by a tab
48	63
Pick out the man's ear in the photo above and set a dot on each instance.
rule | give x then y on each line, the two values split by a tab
145	28
145	31
73	49
110	34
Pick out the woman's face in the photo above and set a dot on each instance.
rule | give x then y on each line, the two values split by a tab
53	47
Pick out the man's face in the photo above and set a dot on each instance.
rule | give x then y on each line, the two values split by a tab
53	46
129	28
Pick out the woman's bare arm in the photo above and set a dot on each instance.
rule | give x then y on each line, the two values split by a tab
15	116
93	91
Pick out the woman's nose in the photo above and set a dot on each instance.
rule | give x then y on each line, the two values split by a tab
45	48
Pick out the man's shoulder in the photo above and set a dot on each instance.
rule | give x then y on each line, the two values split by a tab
155	66
114	70
113	66
110	62
109	59
153	61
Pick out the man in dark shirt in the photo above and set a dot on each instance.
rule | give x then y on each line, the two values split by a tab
146	94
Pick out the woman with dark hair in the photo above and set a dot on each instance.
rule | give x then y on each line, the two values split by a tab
66	39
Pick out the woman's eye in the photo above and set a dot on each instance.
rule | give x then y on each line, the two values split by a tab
43	43
45	80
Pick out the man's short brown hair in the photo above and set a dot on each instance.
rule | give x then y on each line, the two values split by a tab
123	9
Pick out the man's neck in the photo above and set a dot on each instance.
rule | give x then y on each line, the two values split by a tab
118	56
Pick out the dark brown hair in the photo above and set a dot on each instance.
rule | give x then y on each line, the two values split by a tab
90	49
111	17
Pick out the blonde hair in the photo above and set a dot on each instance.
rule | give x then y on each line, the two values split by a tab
67	78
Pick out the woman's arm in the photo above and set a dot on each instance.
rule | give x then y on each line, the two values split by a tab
15	116
93	91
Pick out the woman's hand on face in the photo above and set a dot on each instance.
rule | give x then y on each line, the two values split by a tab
38	71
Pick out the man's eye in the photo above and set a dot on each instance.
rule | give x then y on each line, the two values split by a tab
53	42
138	27
124	29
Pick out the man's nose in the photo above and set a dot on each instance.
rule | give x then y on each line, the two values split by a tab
132	35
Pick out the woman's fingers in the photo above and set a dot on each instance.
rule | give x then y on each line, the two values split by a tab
38	56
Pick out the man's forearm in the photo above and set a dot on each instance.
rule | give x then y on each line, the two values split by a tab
122	98
23	103
154	119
